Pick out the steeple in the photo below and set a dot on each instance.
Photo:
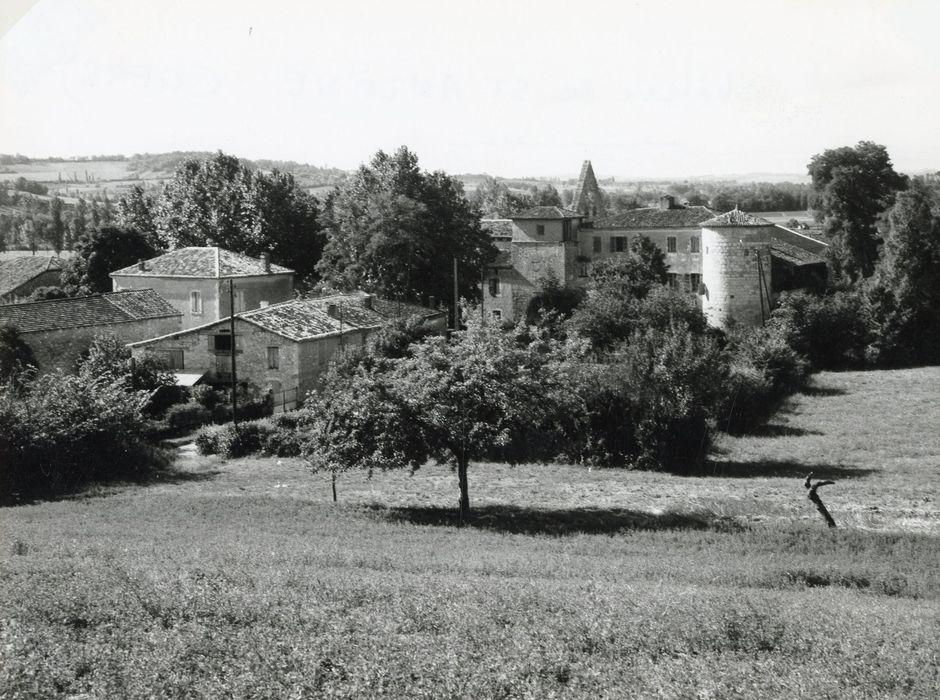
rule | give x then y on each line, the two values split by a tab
587	196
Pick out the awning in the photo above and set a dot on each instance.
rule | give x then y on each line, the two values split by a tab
189	378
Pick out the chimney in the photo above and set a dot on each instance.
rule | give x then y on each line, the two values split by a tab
141	265
367	301
331	310
266	259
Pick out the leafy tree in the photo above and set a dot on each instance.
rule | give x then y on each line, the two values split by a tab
220	202
108	355
395	230
136	210
854	185
632	275
553	300
57	230
51	292
79	224
16	357
905	294
101	252
545	195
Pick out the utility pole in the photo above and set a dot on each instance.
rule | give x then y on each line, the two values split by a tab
231	317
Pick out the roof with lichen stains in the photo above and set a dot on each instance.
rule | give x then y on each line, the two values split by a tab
306	319
15	272
736	217
78	312
202	262
794	255
656	217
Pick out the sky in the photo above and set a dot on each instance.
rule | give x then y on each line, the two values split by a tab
507	87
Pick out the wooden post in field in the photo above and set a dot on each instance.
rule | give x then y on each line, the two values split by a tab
814	497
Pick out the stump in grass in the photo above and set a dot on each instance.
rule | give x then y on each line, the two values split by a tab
814	497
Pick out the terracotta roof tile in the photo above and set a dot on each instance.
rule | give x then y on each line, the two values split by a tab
15	272
736	217
77	312
793	254
210	262
547	212
654	217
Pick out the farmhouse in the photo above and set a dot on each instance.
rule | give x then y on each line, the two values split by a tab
283	347
196	282
546	243
22	275
59	330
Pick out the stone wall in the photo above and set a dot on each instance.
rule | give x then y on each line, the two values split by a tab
682	262
61	349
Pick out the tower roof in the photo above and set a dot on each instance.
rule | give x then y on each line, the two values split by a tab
734	218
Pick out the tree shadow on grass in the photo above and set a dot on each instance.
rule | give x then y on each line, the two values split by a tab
822	391
557	522
779	430
778	468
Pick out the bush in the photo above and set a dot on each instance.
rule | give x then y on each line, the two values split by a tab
62	431
185	417
832	331
207	441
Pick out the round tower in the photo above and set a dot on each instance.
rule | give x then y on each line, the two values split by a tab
736	269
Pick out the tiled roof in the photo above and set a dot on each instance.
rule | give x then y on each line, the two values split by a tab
547	212
15	272
793	254
736	217
77	312
211	262
497	228
655	217
305	319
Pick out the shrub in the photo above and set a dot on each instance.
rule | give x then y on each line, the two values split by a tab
242	440
207	441
63	430
182	418
830	331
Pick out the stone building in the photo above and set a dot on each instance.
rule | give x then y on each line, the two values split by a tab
22	275
546	243
196	281
283	348
59	330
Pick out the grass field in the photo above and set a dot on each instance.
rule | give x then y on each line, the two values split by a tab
243	579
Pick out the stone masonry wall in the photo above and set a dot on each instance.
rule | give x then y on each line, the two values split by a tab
730	274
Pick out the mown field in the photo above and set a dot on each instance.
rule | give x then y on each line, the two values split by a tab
243	579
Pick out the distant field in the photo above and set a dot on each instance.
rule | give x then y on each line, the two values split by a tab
242	579
48	172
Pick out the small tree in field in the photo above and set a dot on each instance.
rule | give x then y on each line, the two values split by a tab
478	395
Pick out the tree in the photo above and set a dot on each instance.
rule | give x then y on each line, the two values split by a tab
395	230
545	195
905	293
16	357
633	275
477	395
853	186
220	202
57	230
136	210
101	252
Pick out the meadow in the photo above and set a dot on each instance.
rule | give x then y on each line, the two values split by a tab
242	578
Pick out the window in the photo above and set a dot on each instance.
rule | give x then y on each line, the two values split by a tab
694	246
566	230
582	270
597	244
273	359
222	343
540	229
672	280
195	302
620	243
494	286
496	314
671	244
695	281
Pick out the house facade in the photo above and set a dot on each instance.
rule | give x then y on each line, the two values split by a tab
551	242
196	282
59	330
284	348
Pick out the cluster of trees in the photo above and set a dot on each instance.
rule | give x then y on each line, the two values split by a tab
36	222
884	234
497	199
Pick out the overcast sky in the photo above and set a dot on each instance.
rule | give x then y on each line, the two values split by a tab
508	87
